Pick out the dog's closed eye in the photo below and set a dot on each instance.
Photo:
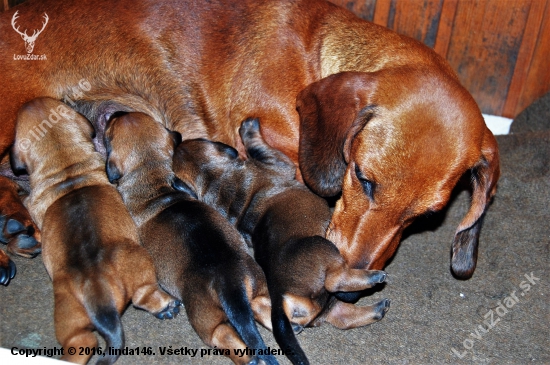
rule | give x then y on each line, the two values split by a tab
369	186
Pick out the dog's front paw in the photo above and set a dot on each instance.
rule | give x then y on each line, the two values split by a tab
20	238
7	268
22	241
170	311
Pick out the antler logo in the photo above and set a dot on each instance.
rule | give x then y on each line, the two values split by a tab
29	40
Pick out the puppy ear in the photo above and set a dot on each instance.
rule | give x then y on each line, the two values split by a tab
113	172
17	164
176	137
485	175
179	185
332	112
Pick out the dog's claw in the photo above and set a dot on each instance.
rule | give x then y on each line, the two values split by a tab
297	328
170	311
7	273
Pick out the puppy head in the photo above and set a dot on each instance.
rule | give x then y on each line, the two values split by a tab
199	161
134	139
48	127
400	140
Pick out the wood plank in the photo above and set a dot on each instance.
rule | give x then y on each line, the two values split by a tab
444	30
418	19
525	57
362	8
382	12
4	6
485	43
538	80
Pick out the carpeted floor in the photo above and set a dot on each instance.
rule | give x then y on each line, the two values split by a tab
434	318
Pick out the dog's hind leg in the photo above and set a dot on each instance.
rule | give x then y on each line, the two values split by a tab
257	149
261	307
345	315
73	327
344	279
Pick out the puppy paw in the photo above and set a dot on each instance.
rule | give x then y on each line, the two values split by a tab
381	308
7	269
376	276
20	239
297	328
170	311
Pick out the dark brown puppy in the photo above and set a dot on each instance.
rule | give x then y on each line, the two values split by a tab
286	223
17	230
200	257
91	246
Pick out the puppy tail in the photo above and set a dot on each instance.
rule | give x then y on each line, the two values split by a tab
284	333
236	305
106	320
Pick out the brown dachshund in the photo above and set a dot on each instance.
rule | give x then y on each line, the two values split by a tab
200	257
91	245
286	224
400	128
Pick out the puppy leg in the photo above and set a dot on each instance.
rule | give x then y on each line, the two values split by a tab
343	279
151	298
16	226
73	327
257	149
137	271
261	307
225	337
7	268
345	315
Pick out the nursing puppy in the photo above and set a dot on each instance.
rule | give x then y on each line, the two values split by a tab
90	243
199	256
286	223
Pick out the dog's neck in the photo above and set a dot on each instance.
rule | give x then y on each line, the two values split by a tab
50	183
147	190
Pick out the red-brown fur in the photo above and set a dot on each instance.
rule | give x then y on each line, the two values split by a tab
202	67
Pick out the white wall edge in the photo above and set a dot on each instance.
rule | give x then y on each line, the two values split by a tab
497	125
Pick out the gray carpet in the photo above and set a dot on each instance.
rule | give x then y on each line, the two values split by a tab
434	318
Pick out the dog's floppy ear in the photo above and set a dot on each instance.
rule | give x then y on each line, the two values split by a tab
113	173
485	175
332	112
17	164
179	185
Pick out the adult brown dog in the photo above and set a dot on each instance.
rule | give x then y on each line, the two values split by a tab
401	129
200	257
91	245
286	224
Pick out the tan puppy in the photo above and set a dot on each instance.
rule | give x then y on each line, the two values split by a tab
90	243
286	224
199	256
